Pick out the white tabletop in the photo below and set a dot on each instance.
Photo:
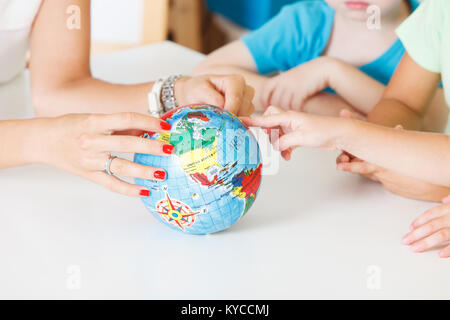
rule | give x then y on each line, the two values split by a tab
312	233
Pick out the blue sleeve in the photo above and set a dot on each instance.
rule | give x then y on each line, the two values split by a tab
299	33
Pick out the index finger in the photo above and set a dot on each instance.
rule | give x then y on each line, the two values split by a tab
128	121
270	121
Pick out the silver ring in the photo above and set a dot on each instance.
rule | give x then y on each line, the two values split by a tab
108	164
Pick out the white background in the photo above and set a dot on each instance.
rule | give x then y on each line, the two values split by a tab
117	21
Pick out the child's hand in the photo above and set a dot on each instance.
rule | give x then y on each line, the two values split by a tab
292	88
430	230
289	130
392	181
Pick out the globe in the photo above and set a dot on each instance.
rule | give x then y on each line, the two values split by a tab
213	176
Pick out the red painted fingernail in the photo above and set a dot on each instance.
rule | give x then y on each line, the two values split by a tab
165	126
144	193
168	148
161	175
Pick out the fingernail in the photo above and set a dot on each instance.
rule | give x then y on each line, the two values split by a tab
144	193
165	125
160	175
168	149
417	248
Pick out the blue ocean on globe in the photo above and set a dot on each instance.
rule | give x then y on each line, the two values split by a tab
214	175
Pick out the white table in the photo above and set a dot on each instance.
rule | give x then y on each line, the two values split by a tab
312	233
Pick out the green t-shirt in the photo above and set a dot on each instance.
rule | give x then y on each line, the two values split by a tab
426	37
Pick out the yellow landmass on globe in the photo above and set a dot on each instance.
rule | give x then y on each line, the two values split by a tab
164	137
199	160
238	193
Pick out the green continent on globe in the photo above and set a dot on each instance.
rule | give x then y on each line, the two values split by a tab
189	136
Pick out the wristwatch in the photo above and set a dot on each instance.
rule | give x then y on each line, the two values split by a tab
162	97
168	93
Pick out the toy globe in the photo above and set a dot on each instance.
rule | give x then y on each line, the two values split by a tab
213	176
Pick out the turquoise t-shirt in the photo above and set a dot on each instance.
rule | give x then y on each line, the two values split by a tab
300	33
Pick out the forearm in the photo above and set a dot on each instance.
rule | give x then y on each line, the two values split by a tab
89	95
391	113
19	142
253	79
406	100
424	156
354	86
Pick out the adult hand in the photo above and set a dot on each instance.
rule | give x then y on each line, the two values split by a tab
81	144
229	92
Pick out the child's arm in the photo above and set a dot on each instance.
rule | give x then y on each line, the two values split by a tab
407	97
235	58
424	156
292	88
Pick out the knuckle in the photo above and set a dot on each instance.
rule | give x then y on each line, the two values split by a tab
85	141
443	235
238	100
446	233
429	228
